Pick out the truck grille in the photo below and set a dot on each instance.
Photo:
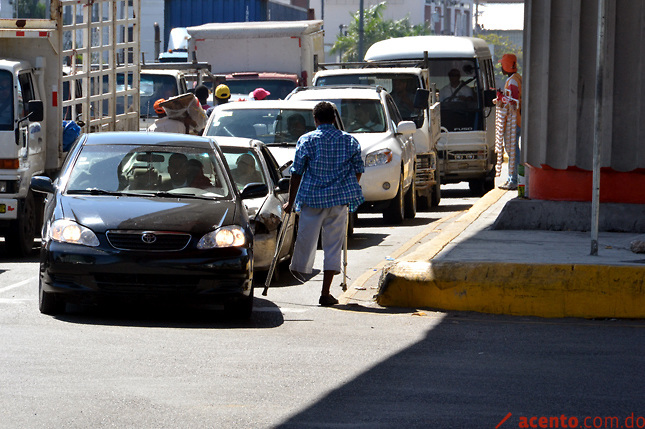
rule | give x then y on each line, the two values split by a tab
149	241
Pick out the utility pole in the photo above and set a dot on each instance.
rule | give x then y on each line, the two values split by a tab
597	141
360	33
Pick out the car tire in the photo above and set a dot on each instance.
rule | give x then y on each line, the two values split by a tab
410	202
240	308
49	303
394	213
19	241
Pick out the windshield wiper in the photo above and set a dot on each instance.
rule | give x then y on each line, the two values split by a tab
94	191
166	194
282	144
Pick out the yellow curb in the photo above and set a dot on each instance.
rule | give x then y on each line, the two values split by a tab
545	290
363	278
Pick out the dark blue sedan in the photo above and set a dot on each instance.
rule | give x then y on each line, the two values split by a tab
146	215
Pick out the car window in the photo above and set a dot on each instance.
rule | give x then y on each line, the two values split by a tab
245	166
361	115
402	87
121	168
271	126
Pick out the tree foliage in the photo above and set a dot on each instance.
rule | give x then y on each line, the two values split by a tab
30	9
375	29
502	45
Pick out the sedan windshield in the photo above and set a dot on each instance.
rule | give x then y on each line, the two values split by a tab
272	126
168	171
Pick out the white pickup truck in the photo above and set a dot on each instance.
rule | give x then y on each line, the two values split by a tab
403	81
49	71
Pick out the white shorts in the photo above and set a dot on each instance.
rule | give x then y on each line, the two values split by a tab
333	222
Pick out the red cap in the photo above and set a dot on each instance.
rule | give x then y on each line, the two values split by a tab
260	93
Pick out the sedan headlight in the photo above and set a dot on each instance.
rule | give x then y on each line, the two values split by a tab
68	231
227	236
378	157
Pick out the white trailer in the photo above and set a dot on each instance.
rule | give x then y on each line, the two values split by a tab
285	47
62	67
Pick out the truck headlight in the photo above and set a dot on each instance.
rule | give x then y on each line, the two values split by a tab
68	231
379	157
227	236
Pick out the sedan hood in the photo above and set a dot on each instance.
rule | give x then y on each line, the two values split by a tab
101	213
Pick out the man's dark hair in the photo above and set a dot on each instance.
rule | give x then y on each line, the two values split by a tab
324	112
201	92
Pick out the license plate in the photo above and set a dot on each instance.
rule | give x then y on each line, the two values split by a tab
3	208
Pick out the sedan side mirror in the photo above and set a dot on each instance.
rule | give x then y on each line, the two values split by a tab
254	190
283	184
42	184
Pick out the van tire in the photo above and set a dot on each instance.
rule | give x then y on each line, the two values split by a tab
394	213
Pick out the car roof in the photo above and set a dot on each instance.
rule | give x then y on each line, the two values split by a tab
413	47
359	92
269	104
145	138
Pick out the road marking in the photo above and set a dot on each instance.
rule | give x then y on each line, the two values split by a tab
15	285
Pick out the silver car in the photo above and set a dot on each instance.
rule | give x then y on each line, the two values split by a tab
251	162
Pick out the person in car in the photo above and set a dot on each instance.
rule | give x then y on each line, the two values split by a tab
178	170
296	126
324	186
456	90
245	171
363	119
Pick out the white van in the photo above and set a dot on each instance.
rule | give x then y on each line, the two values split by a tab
466	148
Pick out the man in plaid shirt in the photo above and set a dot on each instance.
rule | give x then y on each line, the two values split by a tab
324	186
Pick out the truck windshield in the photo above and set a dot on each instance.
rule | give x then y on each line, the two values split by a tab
272	126
6	94
279	89
401	87
459	93
152	88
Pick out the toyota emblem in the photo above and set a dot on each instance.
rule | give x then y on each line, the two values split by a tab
148	237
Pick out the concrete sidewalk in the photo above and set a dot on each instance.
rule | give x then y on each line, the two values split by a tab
470	266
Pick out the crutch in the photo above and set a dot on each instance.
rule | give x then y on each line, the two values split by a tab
286	218
344	283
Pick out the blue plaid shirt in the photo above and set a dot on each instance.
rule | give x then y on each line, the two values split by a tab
328	160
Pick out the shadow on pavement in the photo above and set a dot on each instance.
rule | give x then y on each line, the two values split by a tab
171	316
471	371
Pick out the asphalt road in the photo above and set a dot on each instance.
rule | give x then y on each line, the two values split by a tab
298	365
